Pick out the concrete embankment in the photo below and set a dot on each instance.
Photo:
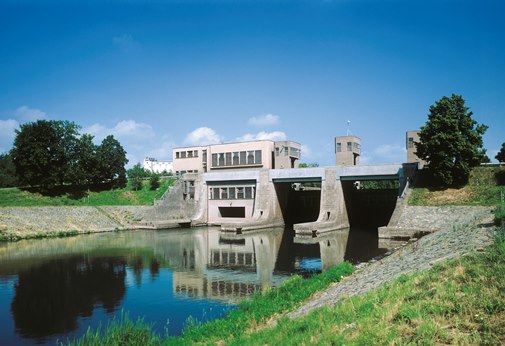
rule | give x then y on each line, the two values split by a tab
23	221
459	230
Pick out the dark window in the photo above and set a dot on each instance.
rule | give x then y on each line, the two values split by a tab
221	159
176	154
183	154
248	192
232	212
243	158
277	151
240	193
349	146
250	157
257	157
231	192
228	159
411	143
236	161
224	193
195	153
214	160
339	147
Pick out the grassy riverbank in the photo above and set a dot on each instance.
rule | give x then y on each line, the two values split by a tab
457	302
482	190
17	197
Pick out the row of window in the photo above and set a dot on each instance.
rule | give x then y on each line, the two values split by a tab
242	192
186	154
349	146
236	158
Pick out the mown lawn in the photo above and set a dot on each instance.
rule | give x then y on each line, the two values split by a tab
16	197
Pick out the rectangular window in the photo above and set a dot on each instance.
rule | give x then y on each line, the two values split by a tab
240	193
250	157
195	153
214	160
257	157
356	146
349	146
339	147
224	193
236	161
232	212
286	151
190	153
248	192
183	154
228	159
216	192
243	158
277	151
231	193
176	154
221	159
411	143
204	155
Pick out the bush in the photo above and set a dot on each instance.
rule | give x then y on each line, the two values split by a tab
499	175
154	181
499	215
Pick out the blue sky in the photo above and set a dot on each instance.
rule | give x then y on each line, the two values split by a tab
159	74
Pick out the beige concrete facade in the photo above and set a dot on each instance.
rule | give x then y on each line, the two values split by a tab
347	150
411	138
263	154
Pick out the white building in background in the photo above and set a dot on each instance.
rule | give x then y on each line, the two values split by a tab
153	165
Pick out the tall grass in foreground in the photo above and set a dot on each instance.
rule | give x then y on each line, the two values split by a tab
458	302
250	314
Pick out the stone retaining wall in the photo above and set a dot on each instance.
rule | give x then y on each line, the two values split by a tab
29	220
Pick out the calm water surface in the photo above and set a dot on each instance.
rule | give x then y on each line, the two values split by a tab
54	289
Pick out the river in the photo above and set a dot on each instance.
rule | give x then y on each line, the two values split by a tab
54	289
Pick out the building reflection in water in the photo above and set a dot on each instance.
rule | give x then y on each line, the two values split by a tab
332	246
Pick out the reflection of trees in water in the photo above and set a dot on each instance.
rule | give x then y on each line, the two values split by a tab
49	298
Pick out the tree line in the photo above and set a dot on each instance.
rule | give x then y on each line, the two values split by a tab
51	153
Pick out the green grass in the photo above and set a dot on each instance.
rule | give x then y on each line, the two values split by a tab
481	190
461	301
15	197
15	237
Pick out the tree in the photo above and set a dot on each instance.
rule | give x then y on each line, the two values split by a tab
451	141
84	168
501	154
136	174
7	171
308	165
42	152
154	180
112	159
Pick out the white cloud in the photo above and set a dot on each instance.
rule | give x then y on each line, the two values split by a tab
389	153
202	136
138	139
273	136
125	42
128	130
264	120
25	113
7	134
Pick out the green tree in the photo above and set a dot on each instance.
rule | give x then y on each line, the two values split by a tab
42	152
501	154
154	181
451	141
111	158
84	168
136	174
308	165
7	171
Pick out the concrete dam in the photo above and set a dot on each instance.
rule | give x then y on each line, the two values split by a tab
312	200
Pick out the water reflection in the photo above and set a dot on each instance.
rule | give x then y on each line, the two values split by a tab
332	246
49	298
55	288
